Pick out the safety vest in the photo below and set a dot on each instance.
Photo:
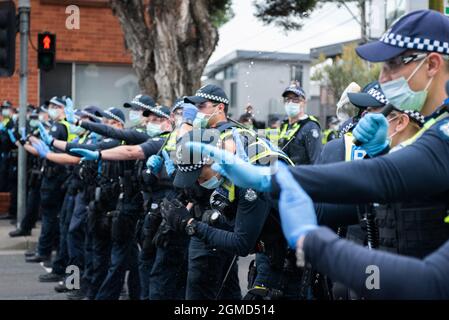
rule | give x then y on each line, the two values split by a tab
70	135
273	135
171	143
352	152
260	148
287	134
326	134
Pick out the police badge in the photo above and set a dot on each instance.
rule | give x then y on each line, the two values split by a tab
250	195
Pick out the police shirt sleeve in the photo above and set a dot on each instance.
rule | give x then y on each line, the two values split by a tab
418	170
59	132
394	276
152	146
130	136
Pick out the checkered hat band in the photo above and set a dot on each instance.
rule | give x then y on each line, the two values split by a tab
178	104
418	117
113	116
140	104
91	115
423	44
159	113
212	97
190	167
377	95
57	102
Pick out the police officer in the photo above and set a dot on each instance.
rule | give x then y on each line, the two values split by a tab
72	233
394	177
300	134
331	132
157	125
52	192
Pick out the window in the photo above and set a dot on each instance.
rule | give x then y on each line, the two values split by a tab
90	84
57	82
394	10
229	72
104	85
233	102
296	73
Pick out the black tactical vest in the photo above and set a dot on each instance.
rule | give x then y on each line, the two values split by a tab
412	229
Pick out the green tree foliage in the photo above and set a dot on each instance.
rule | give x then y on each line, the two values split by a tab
344	70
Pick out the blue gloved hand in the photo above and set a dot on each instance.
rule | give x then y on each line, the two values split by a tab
189	112
233	167
154	164
168	163
41	148
372	132
45	136
69	112
2	127
86	154
295	207
11	136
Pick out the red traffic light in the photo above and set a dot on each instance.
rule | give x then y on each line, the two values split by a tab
46	42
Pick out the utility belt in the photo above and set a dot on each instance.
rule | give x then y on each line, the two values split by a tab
51	171
35	176
414	229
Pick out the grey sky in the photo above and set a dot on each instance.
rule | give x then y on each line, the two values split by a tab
327	25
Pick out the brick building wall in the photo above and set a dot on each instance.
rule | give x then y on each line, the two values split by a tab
99	40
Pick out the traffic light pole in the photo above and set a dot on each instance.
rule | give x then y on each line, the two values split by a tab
24	27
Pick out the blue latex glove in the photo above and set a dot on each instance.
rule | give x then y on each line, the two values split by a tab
233	167
189	112
295	207
86	154
41	148
154	164
45	136
168	163
11	136
2	127
372	132
69	112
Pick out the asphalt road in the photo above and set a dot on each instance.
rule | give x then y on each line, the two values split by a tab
18	279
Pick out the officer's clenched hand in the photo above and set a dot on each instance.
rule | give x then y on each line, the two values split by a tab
168	163
41	148
176	214
189	112
45	136
295	207
240	172
86	154
372	132
154	163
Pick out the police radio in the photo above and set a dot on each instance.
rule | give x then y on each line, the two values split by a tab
385	111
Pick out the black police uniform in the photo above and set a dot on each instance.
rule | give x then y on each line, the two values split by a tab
52	195
301	141
415	173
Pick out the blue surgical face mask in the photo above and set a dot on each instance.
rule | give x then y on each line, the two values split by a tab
41	118
400	95
6	112
135	117
34	123
14	117
153	129
212	183
53	114
292	109
202	119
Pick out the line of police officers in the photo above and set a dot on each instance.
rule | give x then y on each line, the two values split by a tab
138	205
